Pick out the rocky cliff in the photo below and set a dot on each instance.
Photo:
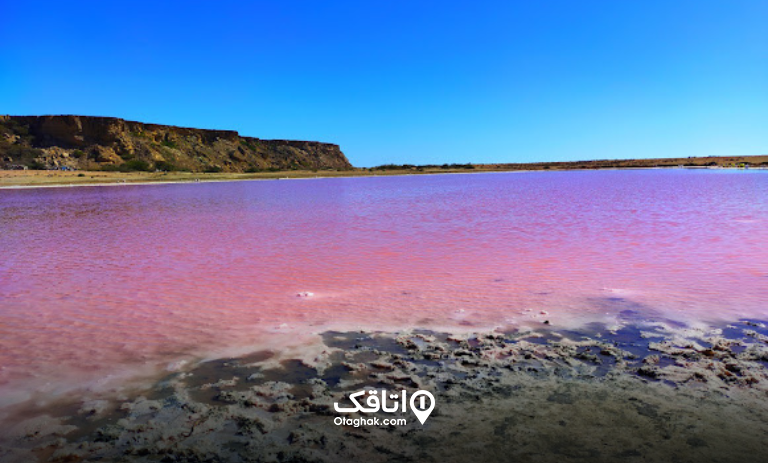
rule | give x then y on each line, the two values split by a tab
109	143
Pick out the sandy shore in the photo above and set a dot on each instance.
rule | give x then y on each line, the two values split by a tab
42	178
646	391
45	178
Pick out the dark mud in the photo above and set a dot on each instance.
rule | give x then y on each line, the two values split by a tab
645	390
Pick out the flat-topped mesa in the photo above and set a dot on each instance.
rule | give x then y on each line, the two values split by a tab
110	143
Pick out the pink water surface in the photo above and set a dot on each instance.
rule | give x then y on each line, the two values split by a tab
95	281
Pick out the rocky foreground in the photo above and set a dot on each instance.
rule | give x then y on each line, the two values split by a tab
646	391
110	143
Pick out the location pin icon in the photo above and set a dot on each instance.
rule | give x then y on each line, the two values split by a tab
422	413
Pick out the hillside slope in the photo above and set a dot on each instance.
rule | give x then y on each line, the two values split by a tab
109	143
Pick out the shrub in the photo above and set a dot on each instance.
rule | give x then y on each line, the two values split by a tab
16	128
37	165
165	166
457	166
248	144
134	165
22	152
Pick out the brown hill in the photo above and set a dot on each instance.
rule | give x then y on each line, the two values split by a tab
110	143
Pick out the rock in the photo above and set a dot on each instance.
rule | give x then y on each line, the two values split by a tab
105	155
648	371
113	141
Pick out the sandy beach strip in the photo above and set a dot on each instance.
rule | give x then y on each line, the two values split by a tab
16	179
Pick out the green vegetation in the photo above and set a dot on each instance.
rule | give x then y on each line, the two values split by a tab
135	165
422	167
394	167
169	144
21	152
36	165
456	166
13	127
212	170
165	166
248	144
256	169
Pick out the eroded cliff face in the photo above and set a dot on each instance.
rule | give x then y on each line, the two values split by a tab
86	142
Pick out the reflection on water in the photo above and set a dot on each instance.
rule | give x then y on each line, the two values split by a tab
99	280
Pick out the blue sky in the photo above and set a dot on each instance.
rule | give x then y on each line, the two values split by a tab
408	82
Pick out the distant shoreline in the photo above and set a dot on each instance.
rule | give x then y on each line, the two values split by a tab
24	179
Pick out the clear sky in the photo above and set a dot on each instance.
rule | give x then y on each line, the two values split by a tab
408	81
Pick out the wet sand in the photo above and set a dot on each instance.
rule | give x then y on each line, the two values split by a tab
644	390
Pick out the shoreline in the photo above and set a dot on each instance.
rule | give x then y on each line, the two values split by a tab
16	180
694	393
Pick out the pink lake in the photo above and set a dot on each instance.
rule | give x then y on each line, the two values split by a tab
101	284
